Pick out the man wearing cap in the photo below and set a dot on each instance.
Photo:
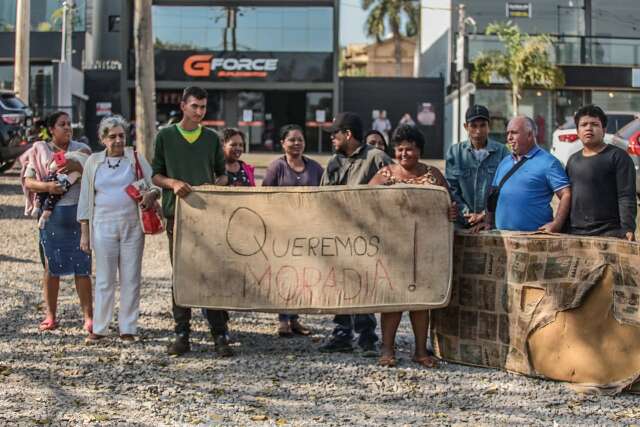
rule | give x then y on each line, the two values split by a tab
353	163
471	165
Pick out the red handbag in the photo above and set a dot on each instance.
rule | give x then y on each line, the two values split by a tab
150	218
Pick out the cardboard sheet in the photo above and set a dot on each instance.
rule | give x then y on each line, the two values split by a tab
313	250
558	307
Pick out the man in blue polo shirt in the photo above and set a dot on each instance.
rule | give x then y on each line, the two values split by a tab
524	199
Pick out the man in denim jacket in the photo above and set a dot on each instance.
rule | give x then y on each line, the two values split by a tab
471	165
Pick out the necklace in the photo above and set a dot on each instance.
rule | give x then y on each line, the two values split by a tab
115	165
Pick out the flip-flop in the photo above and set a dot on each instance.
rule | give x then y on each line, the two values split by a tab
48	325
387	361
426	361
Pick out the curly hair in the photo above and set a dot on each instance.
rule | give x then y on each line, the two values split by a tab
410	134
228	133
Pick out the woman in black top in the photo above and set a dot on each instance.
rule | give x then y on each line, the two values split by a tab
240	174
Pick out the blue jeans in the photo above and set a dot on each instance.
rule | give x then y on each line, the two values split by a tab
287	317
363	324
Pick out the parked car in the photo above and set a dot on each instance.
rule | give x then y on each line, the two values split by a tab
15	118
565	140
628	138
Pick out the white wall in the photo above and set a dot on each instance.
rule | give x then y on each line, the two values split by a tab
435	41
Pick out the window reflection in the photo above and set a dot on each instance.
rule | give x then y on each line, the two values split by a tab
269	29
46	15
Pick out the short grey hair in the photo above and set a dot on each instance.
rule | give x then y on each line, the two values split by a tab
109	123
530	125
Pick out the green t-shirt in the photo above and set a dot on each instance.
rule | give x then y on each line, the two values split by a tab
195	163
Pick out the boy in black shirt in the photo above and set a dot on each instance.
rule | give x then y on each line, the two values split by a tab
603	180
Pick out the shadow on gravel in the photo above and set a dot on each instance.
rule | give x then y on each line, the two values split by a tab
13	212
7	258
10	188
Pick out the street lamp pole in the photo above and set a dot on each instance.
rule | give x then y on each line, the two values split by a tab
64	67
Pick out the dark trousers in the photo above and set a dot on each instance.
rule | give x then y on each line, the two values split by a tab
363	324
182	315
287	317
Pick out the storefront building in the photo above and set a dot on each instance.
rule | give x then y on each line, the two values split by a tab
263	63
45	46
596	43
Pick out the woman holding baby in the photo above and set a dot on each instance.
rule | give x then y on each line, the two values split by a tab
111	227
60	233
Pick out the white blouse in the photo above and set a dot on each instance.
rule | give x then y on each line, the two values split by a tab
111	200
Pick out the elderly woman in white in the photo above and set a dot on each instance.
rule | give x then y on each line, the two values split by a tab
110	225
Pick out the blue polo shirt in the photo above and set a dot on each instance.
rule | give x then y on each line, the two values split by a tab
524	199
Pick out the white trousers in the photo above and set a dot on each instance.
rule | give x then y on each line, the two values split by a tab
118	245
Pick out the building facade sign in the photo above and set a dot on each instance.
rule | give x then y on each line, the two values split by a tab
518	10
243	66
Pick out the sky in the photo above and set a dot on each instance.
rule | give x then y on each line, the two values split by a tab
352	19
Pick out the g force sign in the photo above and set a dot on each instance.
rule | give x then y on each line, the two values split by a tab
208	65
213	66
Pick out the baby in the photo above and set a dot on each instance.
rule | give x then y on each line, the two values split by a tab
47	201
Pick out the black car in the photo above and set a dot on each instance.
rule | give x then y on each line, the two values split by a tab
15	118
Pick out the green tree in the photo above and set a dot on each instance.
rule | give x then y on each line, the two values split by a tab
523	63
390	13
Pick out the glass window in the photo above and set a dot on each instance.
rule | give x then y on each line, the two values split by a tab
547	16
618	18
617	101
267	29
6	77
46	15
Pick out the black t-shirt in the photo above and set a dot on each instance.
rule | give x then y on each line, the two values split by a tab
603	192
238	179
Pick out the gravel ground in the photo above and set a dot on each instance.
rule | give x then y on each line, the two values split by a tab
54	378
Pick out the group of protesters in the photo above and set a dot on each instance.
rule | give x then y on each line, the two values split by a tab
492	185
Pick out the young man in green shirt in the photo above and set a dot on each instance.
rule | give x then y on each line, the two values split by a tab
188	154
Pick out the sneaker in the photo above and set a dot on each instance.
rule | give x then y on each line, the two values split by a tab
221	346
180	346
368	349
336	345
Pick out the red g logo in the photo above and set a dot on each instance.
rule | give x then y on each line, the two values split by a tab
198	65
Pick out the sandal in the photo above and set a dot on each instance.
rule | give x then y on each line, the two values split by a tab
426	361
298	328
284	330
48	325
94	338
387	361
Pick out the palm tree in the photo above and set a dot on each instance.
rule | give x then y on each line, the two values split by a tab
391	12
524	63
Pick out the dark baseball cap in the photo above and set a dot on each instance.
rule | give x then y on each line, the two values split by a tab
476	112
346	120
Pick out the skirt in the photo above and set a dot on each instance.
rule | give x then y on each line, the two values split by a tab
60	240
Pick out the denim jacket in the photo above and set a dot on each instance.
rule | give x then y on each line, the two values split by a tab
469	179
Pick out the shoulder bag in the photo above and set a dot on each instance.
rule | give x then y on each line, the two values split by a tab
494	194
